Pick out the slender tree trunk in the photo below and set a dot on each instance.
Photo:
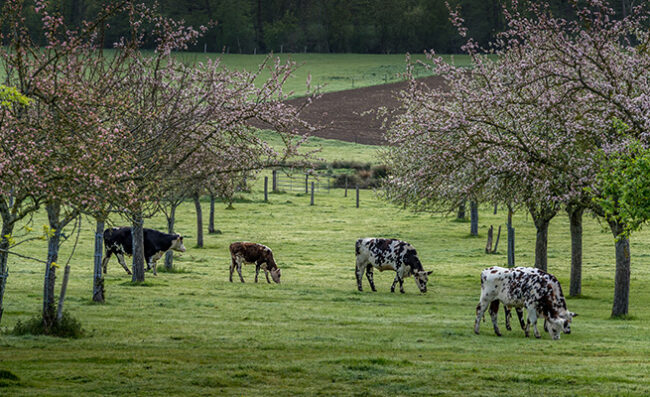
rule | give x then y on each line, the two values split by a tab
622	278
7	229
474	218
199	221
49	300
542	217
461	210
169	256
137	234
98	277
575	218
211	221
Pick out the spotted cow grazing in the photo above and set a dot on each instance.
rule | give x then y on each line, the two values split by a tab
118	241
539	292
261	255
389	254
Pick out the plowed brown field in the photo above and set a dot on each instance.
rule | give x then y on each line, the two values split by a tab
343	114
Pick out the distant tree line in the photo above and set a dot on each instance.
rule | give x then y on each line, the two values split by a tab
338	26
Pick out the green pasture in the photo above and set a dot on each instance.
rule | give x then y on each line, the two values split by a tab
333	72
191	332
329	72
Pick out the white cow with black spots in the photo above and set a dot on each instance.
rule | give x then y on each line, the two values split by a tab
389	254
539	292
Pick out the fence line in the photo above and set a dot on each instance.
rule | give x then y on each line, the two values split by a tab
300	182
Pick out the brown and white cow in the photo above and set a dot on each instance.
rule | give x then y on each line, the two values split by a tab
539	292
389	254
260	255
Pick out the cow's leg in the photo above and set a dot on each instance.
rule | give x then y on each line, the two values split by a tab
232	267
482	306
240	261
359	272
153	265
107	256
401	285
369	275
266	273
508	313
532	319
494	311
257	271
520	315
120	258
392	287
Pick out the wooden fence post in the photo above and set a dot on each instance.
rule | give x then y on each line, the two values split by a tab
307	183
266	188
474	218
64	286
357	196
496	245
275	180
346	186
312	193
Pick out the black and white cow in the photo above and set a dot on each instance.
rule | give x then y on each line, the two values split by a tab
389	254
118	241
539	292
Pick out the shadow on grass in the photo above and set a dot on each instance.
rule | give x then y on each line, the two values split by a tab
174	269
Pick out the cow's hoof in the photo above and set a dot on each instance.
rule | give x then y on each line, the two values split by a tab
538	336
374	290
401	291
508	328
392	291
498	333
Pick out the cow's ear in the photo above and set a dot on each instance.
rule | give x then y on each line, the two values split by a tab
573	314
429	272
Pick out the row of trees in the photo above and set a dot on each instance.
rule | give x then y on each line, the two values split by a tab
85	133
556	117
364	26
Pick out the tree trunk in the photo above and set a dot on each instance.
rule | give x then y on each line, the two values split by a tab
575	218
211	220
541	244
199	222
7	229
474	218
542	216
98	277
137	234
622	278
49	308
461	210
169	256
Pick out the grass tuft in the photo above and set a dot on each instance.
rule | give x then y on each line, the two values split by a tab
68	327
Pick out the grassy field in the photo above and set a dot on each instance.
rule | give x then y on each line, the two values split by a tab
193	333
334	72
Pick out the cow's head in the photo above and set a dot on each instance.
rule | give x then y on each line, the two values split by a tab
275	274
560	324
177	244
421	279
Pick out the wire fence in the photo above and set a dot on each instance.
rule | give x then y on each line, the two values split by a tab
302	182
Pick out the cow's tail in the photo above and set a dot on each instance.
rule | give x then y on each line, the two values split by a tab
357	247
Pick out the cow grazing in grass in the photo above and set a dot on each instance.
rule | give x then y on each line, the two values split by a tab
539	292
260	255
389	254
118	241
